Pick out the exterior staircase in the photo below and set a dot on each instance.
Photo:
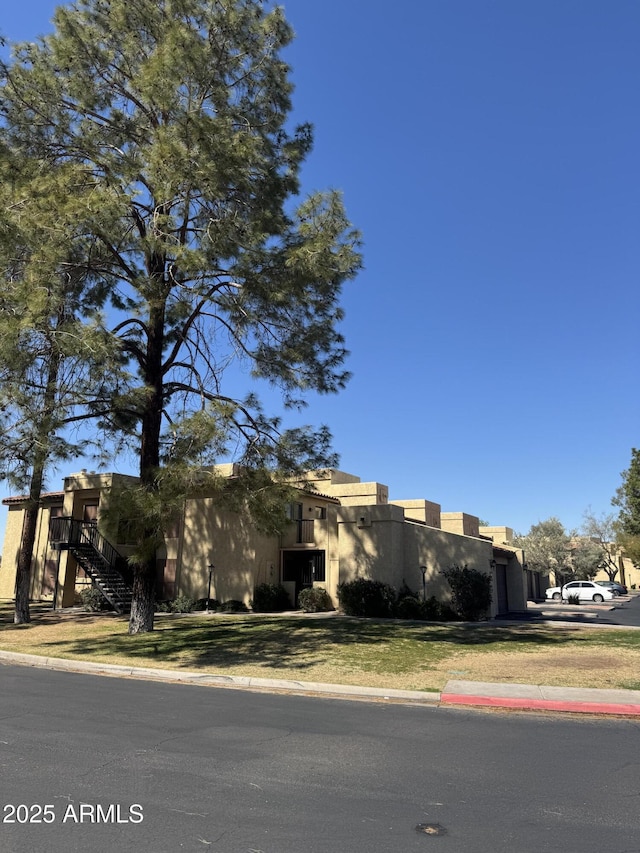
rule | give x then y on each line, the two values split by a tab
107	568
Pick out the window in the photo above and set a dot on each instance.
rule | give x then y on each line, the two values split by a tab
294	511
319	512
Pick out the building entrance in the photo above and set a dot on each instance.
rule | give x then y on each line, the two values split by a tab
302	568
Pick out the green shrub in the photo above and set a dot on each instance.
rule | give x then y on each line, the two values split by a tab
270	598
182	604
93	600
234	606
367	598
315	599
435	611
471	592
410	607
405	591
431	610
573	598
201	604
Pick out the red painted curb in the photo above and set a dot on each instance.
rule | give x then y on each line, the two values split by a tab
542	704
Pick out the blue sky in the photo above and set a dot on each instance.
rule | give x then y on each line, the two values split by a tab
488	152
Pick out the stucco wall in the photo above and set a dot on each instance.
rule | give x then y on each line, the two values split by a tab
13	533
42	575
322	479
460	522
378	542
359	494
370	542
437	550
421	510
498	534
630	573
242	557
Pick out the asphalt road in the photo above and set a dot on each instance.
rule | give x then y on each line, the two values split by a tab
626	612
205	769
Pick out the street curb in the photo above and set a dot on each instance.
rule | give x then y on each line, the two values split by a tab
240	682
530	697
467	694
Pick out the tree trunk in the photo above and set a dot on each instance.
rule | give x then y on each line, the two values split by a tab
30	523
22	614
143	602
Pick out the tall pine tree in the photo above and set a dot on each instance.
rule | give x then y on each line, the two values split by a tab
178	113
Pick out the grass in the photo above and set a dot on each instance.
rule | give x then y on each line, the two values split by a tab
339	650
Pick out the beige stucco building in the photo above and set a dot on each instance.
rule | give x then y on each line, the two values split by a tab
341	528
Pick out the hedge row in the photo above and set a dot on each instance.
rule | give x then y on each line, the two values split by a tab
470	598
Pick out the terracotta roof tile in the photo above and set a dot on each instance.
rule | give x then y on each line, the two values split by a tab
20	499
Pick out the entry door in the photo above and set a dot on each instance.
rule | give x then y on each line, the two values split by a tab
50	577
302	568
501	584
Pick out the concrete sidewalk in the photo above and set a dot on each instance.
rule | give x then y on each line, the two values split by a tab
526	697
531	697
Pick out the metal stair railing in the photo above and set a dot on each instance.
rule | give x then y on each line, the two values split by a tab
106	567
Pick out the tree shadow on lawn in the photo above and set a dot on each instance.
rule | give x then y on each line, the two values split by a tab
298	643
42	614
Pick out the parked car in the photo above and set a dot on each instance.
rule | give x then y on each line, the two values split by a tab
614	586
587	591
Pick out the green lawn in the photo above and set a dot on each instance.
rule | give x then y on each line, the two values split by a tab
339	650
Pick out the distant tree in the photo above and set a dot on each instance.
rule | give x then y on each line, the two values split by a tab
602	530
627	498
548	548
586	558
177	111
